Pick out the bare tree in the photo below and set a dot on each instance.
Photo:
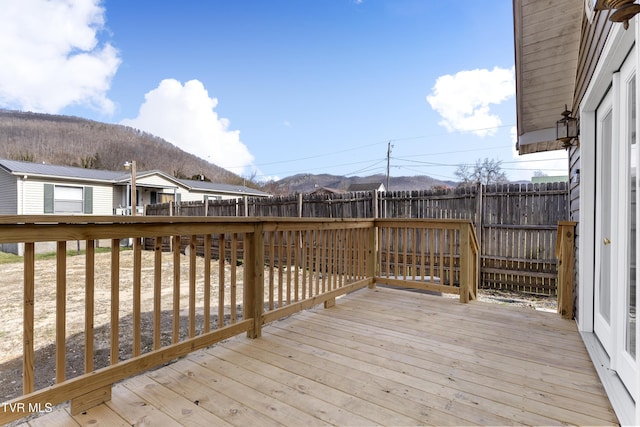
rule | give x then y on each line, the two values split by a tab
487	171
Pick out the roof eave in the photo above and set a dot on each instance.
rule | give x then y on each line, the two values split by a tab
545	41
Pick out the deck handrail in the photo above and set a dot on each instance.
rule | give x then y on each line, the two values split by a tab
283	265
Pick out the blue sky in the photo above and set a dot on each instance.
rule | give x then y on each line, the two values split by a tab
280	87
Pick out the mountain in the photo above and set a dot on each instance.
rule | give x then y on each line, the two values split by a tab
305	183
73	141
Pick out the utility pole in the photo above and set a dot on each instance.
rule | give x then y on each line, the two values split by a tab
388	162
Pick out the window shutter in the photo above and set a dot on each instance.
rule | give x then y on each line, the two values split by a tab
178	197
48	199
88	200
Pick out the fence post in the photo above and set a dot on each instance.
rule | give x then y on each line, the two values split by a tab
375	204
565	252
299	205
254	279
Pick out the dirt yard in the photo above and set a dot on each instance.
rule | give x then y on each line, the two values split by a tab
45	297
11	315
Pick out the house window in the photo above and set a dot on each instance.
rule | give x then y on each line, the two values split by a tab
63	199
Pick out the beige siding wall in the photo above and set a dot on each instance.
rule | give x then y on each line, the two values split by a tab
102	199
155	180
196	196
34	196
190	197
227	196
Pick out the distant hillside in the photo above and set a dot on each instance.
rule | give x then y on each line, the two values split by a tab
74	141
305	183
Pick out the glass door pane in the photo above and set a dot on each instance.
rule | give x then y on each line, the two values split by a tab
630	318
604	286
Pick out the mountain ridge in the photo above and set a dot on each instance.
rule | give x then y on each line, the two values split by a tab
76	141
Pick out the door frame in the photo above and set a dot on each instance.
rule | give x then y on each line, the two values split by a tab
617	46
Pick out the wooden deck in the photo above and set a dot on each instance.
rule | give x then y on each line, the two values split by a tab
378	357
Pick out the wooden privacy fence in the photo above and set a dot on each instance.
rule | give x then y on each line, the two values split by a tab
515	223
143	308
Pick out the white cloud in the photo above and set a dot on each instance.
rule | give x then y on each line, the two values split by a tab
185	116
463	100
50	57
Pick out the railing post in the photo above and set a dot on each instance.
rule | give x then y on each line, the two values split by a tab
372	253
254	279
465	262
61	309
565	252
28	319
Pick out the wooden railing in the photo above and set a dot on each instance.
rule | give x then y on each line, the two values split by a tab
172	285
433	255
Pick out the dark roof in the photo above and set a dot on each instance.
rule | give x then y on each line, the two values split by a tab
369	186
16	167
327	190
222	188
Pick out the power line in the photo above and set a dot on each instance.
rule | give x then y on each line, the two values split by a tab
401	139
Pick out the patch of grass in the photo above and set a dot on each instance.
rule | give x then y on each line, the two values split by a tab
6	258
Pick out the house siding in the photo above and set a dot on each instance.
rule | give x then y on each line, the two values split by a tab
156	180
574	215
594	36
198	197
102	199
34	196
186	196
8	194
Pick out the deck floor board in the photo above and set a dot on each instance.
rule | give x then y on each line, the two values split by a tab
378	357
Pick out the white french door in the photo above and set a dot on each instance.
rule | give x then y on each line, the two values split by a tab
616	221
602	324
625	221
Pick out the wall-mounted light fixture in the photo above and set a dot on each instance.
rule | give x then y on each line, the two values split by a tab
624	10
567	128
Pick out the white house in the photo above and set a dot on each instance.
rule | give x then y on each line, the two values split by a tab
583	54
41	189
